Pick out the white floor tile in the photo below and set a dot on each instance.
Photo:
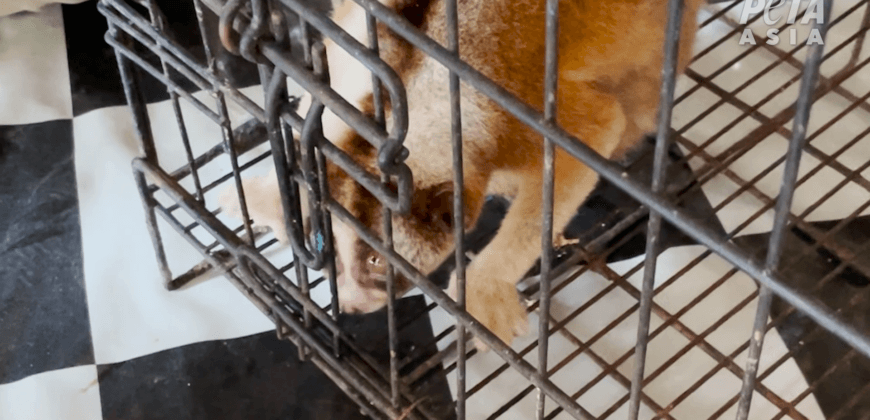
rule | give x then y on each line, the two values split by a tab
11	7
68	394
34	76
762	155
787	381
131	313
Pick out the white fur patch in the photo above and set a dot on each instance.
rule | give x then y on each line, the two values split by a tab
348	77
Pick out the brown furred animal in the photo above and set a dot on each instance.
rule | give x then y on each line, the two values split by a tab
610	58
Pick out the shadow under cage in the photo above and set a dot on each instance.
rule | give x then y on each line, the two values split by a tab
723	265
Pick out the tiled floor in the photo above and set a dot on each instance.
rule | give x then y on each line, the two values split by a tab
118	344
87	330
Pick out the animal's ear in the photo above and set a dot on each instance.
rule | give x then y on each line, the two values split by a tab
434	205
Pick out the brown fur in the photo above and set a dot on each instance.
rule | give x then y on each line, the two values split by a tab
610	55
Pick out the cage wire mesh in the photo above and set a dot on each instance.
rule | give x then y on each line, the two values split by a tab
758	306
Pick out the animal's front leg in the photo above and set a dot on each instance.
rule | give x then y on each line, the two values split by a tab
491	294
494	302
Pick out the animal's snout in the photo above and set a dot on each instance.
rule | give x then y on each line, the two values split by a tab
355	299
354	296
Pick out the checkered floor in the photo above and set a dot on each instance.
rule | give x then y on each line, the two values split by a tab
87	330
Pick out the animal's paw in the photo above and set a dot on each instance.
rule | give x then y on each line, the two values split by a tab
263	203
496	304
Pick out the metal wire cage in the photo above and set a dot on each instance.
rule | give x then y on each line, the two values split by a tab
810	276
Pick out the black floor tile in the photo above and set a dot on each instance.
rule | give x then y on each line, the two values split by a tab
256	377
415	346
43	309
94	76
608	205
819	354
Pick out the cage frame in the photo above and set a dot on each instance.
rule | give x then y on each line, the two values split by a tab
255	32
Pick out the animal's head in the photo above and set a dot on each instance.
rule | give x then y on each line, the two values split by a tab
423	236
